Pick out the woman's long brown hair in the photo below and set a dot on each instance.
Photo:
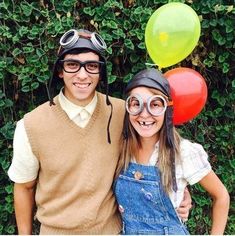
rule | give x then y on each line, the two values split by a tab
131	144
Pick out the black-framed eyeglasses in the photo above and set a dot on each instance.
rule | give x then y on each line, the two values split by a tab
73	66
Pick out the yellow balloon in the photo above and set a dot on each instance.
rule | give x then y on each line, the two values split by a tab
171	34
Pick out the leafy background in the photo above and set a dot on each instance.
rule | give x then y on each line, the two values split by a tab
29	37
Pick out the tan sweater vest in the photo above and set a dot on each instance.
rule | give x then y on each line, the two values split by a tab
74	190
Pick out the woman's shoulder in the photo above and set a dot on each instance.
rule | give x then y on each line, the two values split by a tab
194	161
189	149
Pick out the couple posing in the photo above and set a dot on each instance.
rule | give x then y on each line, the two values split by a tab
96	165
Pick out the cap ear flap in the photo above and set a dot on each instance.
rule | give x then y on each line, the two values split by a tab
169	126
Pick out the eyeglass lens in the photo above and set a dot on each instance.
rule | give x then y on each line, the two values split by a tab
155	105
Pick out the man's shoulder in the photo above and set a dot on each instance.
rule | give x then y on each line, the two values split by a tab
43	109
116	100
113	100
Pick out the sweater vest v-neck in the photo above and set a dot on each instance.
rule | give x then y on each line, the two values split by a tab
77	165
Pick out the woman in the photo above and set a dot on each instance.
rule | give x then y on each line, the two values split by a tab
157	164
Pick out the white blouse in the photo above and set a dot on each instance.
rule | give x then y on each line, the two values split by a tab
194	165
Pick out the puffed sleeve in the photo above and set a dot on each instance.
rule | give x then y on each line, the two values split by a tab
195	164
24	166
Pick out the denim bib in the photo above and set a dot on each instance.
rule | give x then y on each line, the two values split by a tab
143	204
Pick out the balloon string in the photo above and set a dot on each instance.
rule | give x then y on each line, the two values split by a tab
152	64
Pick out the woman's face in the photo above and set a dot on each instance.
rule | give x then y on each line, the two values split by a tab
146	124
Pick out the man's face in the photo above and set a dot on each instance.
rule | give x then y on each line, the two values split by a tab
79	87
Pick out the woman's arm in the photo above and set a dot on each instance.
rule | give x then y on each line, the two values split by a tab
212	184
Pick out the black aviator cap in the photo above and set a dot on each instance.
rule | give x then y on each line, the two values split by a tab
153	78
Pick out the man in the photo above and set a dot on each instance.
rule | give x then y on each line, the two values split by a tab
66	150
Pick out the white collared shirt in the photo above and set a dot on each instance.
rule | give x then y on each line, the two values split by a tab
80	115
25	165
194	165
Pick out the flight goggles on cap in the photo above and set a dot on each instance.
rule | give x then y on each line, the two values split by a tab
156	105
70	38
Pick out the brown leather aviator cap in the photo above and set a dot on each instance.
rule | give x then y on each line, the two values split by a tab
150	78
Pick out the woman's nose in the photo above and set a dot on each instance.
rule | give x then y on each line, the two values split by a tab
144	112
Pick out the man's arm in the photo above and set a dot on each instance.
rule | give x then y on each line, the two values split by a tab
24	205
185	206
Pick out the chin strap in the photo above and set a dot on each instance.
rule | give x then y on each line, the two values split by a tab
51	102
108	103
109	121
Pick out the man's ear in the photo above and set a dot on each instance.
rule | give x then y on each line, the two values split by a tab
60	74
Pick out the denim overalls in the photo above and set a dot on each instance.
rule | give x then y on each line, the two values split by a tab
144	206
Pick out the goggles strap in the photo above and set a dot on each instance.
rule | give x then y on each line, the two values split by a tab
84	35
170	103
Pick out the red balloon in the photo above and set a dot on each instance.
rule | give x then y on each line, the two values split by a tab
189	93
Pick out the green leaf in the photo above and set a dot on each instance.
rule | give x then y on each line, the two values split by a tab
9	188
2	103
126	25
8	130
113	24
34	85
8	103
10	209
16	52
27	8
3	64
119	33
215	94
25	89
112	78
28	49
233	83
127	78
10	229
138	10
109	50
42	79
23	30
107	37
128	43
141	45
51	44
89	11
232	163
39	52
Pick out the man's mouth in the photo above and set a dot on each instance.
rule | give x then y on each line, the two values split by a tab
81	85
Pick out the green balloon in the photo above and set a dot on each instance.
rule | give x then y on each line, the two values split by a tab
171	33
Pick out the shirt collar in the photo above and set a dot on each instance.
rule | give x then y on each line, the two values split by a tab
71	109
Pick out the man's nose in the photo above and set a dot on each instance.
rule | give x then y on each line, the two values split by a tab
82	73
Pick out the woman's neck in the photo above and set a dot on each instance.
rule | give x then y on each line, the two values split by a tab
144	153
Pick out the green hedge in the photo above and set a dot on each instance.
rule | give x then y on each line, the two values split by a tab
29	36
